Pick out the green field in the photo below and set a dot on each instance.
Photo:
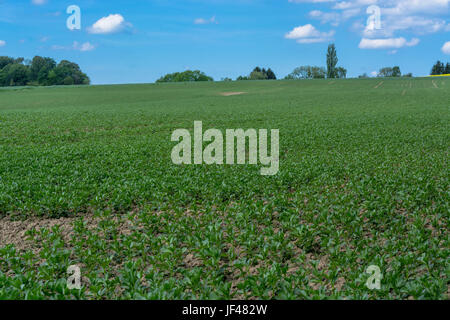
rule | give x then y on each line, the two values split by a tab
86	179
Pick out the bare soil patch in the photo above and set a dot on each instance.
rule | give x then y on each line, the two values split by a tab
14	232
227	94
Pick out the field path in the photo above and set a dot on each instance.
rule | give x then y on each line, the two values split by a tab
404	92
434	84
379	85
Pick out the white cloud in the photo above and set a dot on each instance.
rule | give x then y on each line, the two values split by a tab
111	24
39	2
446	48
58	47
335	17
393	24
389	43
303	32
308	34
212	20
406	7
2	43
374	74
87	46
344	5
311	1
400	7
415	16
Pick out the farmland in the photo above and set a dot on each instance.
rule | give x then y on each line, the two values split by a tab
86	179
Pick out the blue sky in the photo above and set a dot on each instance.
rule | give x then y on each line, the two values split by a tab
137	41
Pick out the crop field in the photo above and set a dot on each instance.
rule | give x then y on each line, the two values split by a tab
86	179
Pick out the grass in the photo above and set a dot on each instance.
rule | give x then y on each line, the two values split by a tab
86	177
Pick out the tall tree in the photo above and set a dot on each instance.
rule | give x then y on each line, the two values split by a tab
447	68
332	61
271	75
438	68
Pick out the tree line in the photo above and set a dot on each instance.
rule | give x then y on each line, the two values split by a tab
332	71
439	68
259	74
393	72
40	71
186	76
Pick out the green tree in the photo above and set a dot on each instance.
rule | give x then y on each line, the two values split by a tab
307	72
15	74
303	72
186	76
255	75
332	61
438	68
318	72
341	73
241	78
396	72
4	61
40	68
259	74
271	75
40	71
66	69
386	72
68	81
447	68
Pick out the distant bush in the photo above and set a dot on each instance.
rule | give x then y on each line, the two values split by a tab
389	72
186	76
307	72
259	74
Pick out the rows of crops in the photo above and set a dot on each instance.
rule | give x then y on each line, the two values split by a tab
86	179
